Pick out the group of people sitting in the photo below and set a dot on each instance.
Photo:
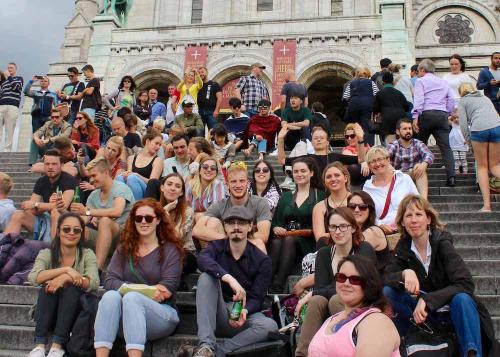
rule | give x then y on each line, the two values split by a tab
150	205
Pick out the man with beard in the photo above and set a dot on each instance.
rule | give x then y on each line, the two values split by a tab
209	226
411	156
51	195
232	271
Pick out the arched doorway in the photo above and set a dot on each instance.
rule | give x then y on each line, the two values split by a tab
325	82
156	78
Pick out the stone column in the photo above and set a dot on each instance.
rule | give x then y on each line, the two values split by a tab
396	43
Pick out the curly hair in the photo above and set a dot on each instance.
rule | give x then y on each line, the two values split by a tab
165	231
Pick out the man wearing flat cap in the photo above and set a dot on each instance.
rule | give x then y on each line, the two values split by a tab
251	90
191	121
232	270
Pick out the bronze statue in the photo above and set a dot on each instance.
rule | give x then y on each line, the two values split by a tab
120	8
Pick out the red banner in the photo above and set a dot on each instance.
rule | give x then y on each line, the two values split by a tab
228	93
195	57
284	57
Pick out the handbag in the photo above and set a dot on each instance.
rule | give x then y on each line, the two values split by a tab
427	340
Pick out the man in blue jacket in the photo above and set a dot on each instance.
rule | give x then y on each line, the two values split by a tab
11	87
489	80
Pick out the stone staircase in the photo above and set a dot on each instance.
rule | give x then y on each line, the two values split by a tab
476	236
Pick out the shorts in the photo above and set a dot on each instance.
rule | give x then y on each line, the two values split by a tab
486	136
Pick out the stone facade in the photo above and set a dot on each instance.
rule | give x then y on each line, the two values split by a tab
333	37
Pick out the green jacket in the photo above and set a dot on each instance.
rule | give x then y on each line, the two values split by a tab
190	122
85	264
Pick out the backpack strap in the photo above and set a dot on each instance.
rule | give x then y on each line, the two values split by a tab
388	198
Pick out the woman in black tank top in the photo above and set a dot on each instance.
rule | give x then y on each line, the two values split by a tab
144	166
363	207
337	182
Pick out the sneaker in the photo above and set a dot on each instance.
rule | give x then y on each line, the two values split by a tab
186	350
288	184
56	352
37	352
203	351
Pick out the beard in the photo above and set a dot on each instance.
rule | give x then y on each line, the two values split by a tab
408	137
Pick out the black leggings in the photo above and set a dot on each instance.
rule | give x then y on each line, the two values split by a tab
283	255
56	312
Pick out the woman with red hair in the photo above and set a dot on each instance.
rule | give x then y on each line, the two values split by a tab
150	254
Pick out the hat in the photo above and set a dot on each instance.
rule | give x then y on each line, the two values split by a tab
187	103
258	64
240	212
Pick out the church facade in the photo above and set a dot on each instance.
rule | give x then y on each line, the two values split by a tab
148	39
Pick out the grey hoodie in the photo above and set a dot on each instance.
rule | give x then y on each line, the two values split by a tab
477	113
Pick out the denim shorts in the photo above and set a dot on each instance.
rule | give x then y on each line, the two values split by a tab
486	136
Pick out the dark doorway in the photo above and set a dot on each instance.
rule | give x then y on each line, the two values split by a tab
158	79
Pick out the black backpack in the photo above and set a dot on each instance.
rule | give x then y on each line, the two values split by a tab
81	342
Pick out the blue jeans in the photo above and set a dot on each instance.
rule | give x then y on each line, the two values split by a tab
71	117
90	112
142	319
251	112
260	145
207	116
463	316
136	184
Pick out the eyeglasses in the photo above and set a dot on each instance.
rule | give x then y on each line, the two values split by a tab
263	107
236	107
207	167
140	219
342	227
360	206
79	118
235	221
351	136
263	170
353	279
55	116
377	161
73	230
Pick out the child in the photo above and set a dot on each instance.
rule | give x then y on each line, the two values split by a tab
236	123
6	204
159	124
226	150
459	146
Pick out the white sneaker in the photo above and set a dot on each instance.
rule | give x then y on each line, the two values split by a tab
288	184
56	352
37	352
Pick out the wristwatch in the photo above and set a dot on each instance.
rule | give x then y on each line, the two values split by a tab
87	213
35	206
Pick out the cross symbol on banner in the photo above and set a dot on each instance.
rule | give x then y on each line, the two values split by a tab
195	54
284	50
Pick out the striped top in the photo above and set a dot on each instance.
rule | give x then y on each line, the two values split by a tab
10	91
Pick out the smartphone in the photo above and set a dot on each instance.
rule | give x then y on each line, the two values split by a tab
39	77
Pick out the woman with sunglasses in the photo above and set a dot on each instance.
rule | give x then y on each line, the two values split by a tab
263	183
387	187
205	188
144	165
337	181
427	265
150	253
346	239
65	271
364	327
174	202
196	147
85	136
363	208
123	96
293	213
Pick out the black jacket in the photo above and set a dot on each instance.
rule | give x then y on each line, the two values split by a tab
324	283
448	275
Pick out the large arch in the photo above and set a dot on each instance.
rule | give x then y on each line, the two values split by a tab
156	78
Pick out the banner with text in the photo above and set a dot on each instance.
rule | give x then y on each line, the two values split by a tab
195	57
228	93
284	57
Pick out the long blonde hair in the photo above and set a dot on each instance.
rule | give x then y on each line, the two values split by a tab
195	182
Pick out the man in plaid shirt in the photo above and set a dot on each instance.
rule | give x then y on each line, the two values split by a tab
251	89
411	156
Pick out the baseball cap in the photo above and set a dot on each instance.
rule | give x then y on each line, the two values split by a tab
239	212
187	103
258	64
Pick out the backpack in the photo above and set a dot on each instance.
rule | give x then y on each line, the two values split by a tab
81	341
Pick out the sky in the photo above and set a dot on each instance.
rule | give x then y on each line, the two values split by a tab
32	33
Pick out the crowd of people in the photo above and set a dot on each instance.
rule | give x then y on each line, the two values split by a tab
134	194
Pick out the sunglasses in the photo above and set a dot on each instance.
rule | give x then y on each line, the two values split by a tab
351	136
353	279
71	75
340	227
360	206
55	116
73	230
207	167
79	118
263	170
263	107
140	219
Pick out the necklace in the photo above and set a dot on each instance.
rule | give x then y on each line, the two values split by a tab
335	205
